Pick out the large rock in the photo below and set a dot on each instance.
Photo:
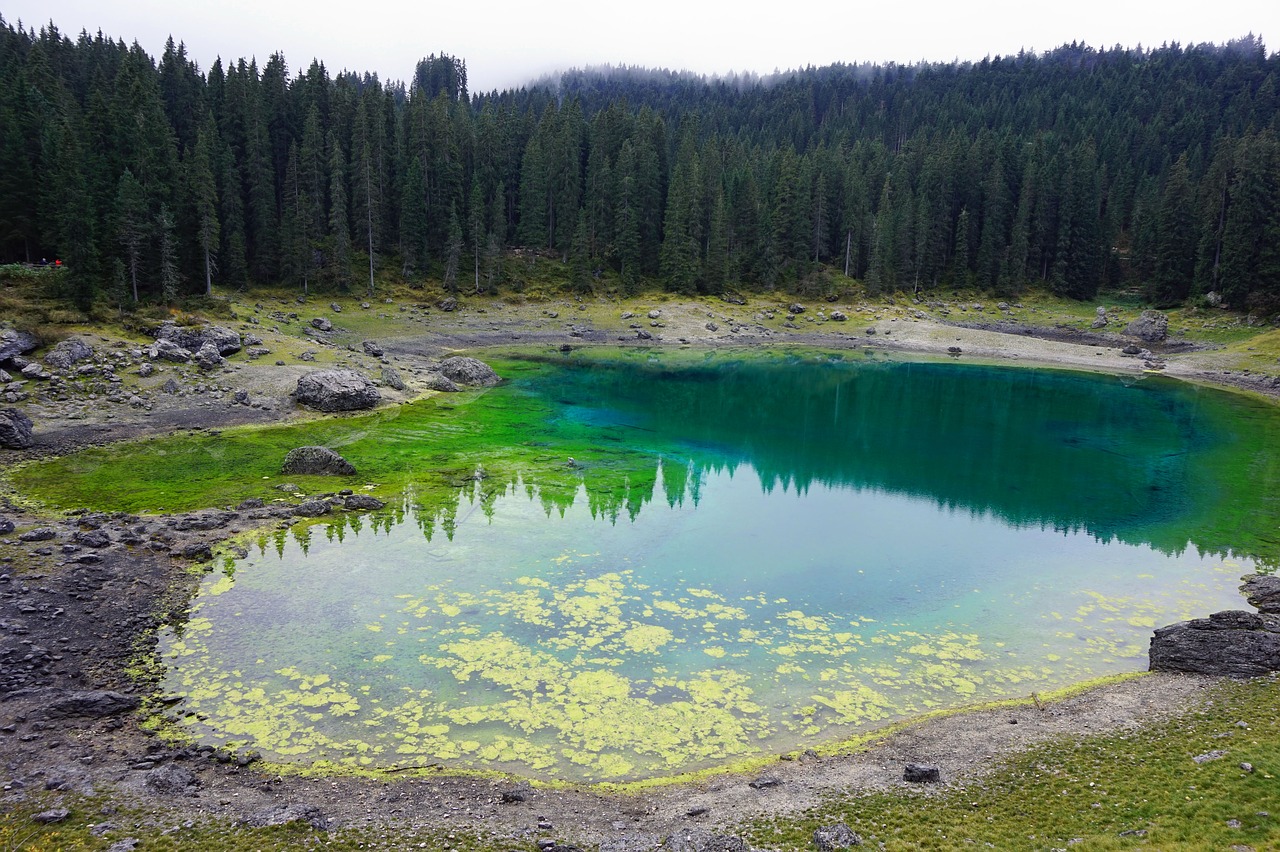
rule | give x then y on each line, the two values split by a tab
317	461
194	337
828	838
15	429
437	382
1150	326
699	840
1232	643
1262	592
94	704
68	352
170	779
14	342
336	390
209	358
468	371
167	350
284	814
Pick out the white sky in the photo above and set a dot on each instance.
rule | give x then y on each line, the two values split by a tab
508	42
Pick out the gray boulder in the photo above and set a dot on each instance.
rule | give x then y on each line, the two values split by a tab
1150	326
391	378
1232	643
70	351
312	508
336	390
6	526
448	304
285	814
839	316
1262	592
167	350
437	382
170	779
838	836
362	503
321	324
918	773
468	371
95	704
15	429
372	348
193	338
208	358
317	461
14	342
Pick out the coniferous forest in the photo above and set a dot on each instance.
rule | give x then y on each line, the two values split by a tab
1156	171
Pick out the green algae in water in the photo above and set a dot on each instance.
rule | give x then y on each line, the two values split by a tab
780	551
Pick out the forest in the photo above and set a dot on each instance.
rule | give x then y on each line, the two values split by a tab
1151	171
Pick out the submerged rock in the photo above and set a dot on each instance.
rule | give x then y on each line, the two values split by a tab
15	429
468	371
1232	643
1263	592
336	390
317	461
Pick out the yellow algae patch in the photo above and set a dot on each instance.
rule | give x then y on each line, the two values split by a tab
646	638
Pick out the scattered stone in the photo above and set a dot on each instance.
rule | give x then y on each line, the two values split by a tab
837	836
644	335
94	704
732	298
371	348
336	390
712	327
290	487
519	793
52	816
307	355
68	352
698	840
285	814
954	351
468	371
1208	756
448	304
321	324
93	538
838	316
795	308
764	782
391	378
1132	349
1100	320
6	525
317	461
1150	326
39	534
1246	767
34	370
626	315
170	779
312	508
437	382
171	386
127	845
631	843
698	811
15	429
1263	592
362	502
147	369
251	503
918	773
335	307
654	314
226	341
871	330
1232	643
240	397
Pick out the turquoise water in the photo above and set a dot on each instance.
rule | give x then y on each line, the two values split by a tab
793	549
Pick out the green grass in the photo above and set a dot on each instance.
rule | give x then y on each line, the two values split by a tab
1084	793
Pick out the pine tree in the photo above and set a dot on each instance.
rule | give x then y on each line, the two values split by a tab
453	252
204	193
339	226
170	281
132	226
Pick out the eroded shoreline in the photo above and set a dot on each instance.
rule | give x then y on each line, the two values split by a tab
78	621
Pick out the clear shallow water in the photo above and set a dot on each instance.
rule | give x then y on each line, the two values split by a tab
793	549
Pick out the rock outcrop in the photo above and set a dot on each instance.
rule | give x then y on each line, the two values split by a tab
1150	326
468	371
336	390
1232	643
14	342
68	352
15	429
317	461
192	338
1263	592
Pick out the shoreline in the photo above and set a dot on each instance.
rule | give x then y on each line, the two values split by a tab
132	589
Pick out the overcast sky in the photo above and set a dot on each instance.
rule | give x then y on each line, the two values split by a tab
509	42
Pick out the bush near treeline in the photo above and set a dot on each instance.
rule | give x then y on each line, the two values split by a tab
1156	171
